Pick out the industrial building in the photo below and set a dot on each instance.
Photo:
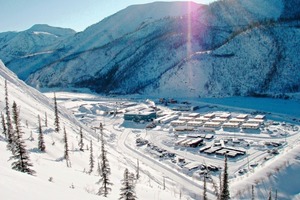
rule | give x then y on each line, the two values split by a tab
209	115
255	121
186	119
194	123
260	117
178	123
184	128
218	119
231	125
140	116
237	120
194	115
202	119
242	116
212	124
250	126
225	115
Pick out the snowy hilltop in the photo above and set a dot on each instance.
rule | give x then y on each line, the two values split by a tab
227	48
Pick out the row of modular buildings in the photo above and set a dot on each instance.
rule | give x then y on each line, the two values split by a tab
224	120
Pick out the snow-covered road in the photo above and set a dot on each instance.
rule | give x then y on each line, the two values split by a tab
182	180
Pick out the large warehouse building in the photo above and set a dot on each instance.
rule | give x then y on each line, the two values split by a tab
140	116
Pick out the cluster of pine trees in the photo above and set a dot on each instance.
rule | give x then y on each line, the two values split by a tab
13	134
11	126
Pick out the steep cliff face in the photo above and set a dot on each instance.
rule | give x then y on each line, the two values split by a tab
228	48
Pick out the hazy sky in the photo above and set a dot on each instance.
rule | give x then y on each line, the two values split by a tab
19	15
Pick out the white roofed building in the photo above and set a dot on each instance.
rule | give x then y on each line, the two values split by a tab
230	125
242	116
212	124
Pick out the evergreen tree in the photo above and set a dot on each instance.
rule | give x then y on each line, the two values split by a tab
66	152
56	117
81	144
220	186
91	157
225	186
137	169
46	120
3	125
105	169
99	169
41	142
276	195
252	192
204	189
9	127
270	195
132	178
128	187
20	155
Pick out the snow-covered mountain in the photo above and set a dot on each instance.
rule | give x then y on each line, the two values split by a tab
125	22
40	39
227	48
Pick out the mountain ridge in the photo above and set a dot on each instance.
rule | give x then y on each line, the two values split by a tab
137	61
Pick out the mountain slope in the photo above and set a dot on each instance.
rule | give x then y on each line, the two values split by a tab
227	48
38	40
127	21
97	35
238	68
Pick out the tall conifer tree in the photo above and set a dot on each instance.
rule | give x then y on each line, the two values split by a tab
20	156
9	127
56	117
204	189
128	187
99	168
41	142
225	186
3	125
270	195
105	169
46	120
252	192
66	151
91	158
137	169
81	144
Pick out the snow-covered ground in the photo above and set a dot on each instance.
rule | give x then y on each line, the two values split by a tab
269	171
88	110
50	165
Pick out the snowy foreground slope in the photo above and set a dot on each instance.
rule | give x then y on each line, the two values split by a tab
50	165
